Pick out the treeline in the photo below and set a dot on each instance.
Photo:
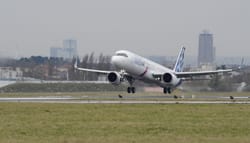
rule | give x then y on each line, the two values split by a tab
239	82
46	68
89	61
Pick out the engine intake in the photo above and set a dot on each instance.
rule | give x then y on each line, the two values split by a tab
114	78
167	77
170	79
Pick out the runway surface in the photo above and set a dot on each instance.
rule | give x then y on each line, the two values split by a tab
132	99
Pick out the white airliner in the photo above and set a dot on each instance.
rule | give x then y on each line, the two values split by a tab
134	67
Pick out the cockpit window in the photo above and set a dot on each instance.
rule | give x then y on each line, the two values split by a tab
122	54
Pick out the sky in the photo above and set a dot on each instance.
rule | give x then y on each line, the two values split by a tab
146	27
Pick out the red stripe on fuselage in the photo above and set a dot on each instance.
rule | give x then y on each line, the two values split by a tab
146	70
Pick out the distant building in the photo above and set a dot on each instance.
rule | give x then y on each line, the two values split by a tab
69	50
206	54
56	52
8	73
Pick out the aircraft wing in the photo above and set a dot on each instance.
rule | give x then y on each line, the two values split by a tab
91	70
199	73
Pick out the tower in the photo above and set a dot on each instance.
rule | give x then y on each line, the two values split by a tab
70	48
206	54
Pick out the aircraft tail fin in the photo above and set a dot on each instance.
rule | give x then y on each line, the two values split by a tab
180	61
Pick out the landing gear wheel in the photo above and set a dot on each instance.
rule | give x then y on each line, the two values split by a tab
128	90
164	90
131	89
167	90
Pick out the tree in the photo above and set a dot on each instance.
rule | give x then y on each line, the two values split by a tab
91	64
220	83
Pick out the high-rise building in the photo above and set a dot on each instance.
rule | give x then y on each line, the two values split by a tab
56	52
68	51
70	47
206	54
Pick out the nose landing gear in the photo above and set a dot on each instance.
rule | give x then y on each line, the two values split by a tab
131	90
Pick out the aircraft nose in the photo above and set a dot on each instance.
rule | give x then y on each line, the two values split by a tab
115	60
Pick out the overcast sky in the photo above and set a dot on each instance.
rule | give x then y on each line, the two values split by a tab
147	27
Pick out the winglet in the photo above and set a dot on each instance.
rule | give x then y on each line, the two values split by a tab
180	61
240	67
241	64
75	65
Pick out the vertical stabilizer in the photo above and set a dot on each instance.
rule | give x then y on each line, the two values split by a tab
180	61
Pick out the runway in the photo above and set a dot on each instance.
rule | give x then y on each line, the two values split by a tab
131	100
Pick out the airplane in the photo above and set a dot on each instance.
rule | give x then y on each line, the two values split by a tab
134	67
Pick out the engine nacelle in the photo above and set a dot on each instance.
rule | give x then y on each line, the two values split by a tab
169	78
114	78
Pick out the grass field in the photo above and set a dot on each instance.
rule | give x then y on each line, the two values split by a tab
112	123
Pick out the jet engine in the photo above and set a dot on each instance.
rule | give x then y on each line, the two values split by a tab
114	78
169	78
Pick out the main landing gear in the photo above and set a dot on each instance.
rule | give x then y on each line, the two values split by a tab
167	90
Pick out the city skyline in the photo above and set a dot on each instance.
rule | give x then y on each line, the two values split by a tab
142	26
67	51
